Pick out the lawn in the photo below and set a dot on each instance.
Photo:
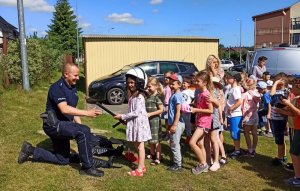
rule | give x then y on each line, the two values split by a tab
19	121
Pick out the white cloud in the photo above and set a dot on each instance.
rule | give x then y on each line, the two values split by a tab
33	29
155	11
124	18
84	25
44	33
32	5
156	2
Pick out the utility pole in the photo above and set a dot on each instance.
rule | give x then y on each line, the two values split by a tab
25	75
77	36
240	39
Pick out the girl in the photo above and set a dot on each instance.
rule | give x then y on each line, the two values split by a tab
203	110
251	99
138	128
167	94
154	107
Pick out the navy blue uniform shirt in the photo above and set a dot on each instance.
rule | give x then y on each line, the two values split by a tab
59	92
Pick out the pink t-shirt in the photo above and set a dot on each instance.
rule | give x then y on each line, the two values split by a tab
251	99
167	94
203	119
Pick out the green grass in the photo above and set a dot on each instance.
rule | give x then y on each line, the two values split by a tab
19	121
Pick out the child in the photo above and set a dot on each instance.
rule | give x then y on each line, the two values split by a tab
175	121
233	110
188	95
267	78
154	107
293	110
217	118
264	108
251	99
138	128
203	110
278	121
167	94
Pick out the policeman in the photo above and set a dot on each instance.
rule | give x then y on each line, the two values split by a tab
62	123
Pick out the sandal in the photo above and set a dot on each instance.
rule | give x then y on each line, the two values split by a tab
134	167
135	173
155	162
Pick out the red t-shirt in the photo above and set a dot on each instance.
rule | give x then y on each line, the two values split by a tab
203	119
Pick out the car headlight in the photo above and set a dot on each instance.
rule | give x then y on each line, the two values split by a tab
96	85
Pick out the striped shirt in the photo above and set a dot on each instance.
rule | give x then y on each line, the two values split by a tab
276	102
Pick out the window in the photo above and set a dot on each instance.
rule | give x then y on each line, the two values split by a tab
183	68
167	66
149	68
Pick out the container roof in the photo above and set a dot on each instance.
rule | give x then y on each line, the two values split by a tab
147	37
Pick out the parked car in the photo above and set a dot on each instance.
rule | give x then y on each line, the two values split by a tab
238	67
226	64
112	88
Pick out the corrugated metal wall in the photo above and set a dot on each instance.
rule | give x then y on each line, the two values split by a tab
104	55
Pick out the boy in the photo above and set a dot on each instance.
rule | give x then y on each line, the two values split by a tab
188	95
264	106
175	121
233	110
293	111
278	121
267	78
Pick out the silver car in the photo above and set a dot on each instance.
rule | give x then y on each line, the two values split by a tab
226	64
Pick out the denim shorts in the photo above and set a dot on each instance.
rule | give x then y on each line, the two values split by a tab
278	128
235	125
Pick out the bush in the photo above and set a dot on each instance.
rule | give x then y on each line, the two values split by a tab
43	61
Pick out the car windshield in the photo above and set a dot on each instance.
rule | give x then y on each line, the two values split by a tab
123	70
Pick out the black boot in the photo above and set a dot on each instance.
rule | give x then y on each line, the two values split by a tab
26	151
92	172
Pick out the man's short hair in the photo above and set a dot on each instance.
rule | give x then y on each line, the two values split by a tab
262	58
266	73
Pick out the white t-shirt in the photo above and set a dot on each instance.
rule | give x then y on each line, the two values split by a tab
188	95
233	95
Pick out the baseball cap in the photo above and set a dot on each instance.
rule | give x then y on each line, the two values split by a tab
269	83
176	77
253	77
217	81
261	85
236	75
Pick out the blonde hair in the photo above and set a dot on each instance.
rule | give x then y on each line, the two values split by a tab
154	81
205	77
209	60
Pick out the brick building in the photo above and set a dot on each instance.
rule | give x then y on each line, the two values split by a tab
277	27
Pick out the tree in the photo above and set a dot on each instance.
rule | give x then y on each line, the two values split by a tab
63	30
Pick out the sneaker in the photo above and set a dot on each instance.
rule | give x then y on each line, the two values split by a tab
235	154
293	182
223	161
215	166
155	162
250	154
92	172
289	167
278	162
200	168
26	151
174	167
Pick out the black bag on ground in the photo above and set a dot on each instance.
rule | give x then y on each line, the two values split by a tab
102	146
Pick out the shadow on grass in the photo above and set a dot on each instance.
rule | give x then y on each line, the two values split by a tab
262	166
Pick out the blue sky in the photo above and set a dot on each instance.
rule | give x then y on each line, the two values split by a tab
203	18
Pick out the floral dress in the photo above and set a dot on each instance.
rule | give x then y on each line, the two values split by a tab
138	128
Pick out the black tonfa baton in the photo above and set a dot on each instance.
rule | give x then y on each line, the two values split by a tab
95	101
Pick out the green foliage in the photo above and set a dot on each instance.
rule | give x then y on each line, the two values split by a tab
42	61
63	30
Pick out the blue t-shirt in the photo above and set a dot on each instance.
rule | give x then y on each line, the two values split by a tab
59	92
265	100
175	99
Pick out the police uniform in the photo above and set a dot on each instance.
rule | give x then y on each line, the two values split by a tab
65	130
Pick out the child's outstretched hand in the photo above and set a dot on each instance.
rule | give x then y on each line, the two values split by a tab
280	81
172	129
118	116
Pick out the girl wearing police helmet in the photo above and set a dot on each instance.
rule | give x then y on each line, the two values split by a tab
138	128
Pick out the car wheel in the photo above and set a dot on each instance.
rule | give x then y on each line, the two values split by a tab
115	96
